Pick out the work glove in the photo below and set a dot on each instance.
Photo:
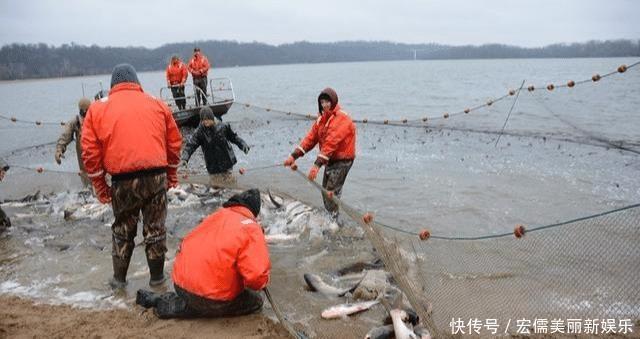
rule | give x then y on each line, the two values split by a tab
245	149
313	172
59	156
290	161
103	191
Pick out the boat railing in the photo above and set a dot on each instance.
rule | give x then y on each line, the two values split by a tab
221	90
167	96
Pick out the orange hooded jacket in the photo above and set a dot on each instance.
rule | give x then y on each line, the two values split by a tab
130	131
224	254
199	67
176	73
334	131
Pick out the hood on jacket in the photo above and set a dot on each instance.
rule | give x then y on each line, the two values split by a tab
124	73
249	199
328	94
206	113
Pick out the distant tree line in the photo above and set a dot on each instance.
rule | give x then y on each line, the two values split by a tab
22	61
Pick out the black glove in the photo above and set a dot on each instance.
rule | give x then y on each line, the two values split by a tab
245	149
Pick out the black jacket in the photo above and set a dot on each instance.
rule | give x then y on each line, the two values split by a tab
215	143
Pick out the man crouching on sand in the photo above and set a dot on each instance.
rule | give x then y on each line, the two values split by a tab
219	265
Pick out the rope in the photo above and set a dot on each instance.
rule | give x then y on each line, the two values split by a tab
30	147
509	115
282	319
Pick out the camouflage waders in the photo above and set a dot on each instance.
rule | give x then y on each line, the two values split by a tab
333	179
146	194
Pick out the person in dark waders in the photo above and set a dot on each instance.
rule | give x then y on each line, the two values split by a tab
335	132
219	266
176	74
199	68
133	137
73	131
215	138
5	222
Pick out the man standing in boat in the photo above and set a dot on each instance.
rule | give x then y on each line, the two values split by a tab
199	68
132	136
335	132
73	131
176	78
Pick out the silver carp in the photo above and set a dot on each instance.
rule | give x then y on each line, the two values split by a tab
343	310
316	284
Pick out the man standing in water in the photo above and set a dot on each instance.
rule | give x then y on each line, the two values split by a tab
5	222
335	132
219	265
133	137
199	68
176	78
73	131
215	138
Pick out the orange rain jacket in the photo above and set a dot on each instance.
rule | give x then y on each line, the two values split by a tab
336	134
130	131
176	74
224	254
199	67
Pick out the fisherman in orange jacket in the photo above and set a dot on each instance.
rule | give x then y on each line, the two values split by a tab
176	78
133	137
199	68
219	265
335	132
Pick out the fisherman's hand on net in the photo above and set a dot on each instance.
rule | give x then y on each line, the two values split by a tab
313	172
289	161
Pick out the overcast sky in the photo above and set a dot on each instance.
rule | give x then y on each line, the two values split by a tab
152	23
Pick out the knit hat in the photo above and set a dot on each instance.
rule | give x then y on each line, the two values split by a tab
249	199
206	113
123	73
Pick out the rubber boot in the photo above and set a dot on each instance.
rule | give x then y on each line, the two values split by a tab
147	299
156	269
120	267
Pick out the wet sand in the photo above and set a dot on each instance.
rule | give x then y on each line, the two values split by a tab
21	318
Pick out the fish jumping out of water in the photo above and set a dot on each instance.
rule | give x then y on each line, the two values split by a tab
275	203
343	310
316	284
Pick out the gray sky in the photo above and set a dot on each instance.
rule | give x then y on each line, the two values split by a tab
152	23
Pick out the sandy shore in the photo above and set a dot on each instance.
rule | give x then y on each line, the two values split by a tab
21	318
